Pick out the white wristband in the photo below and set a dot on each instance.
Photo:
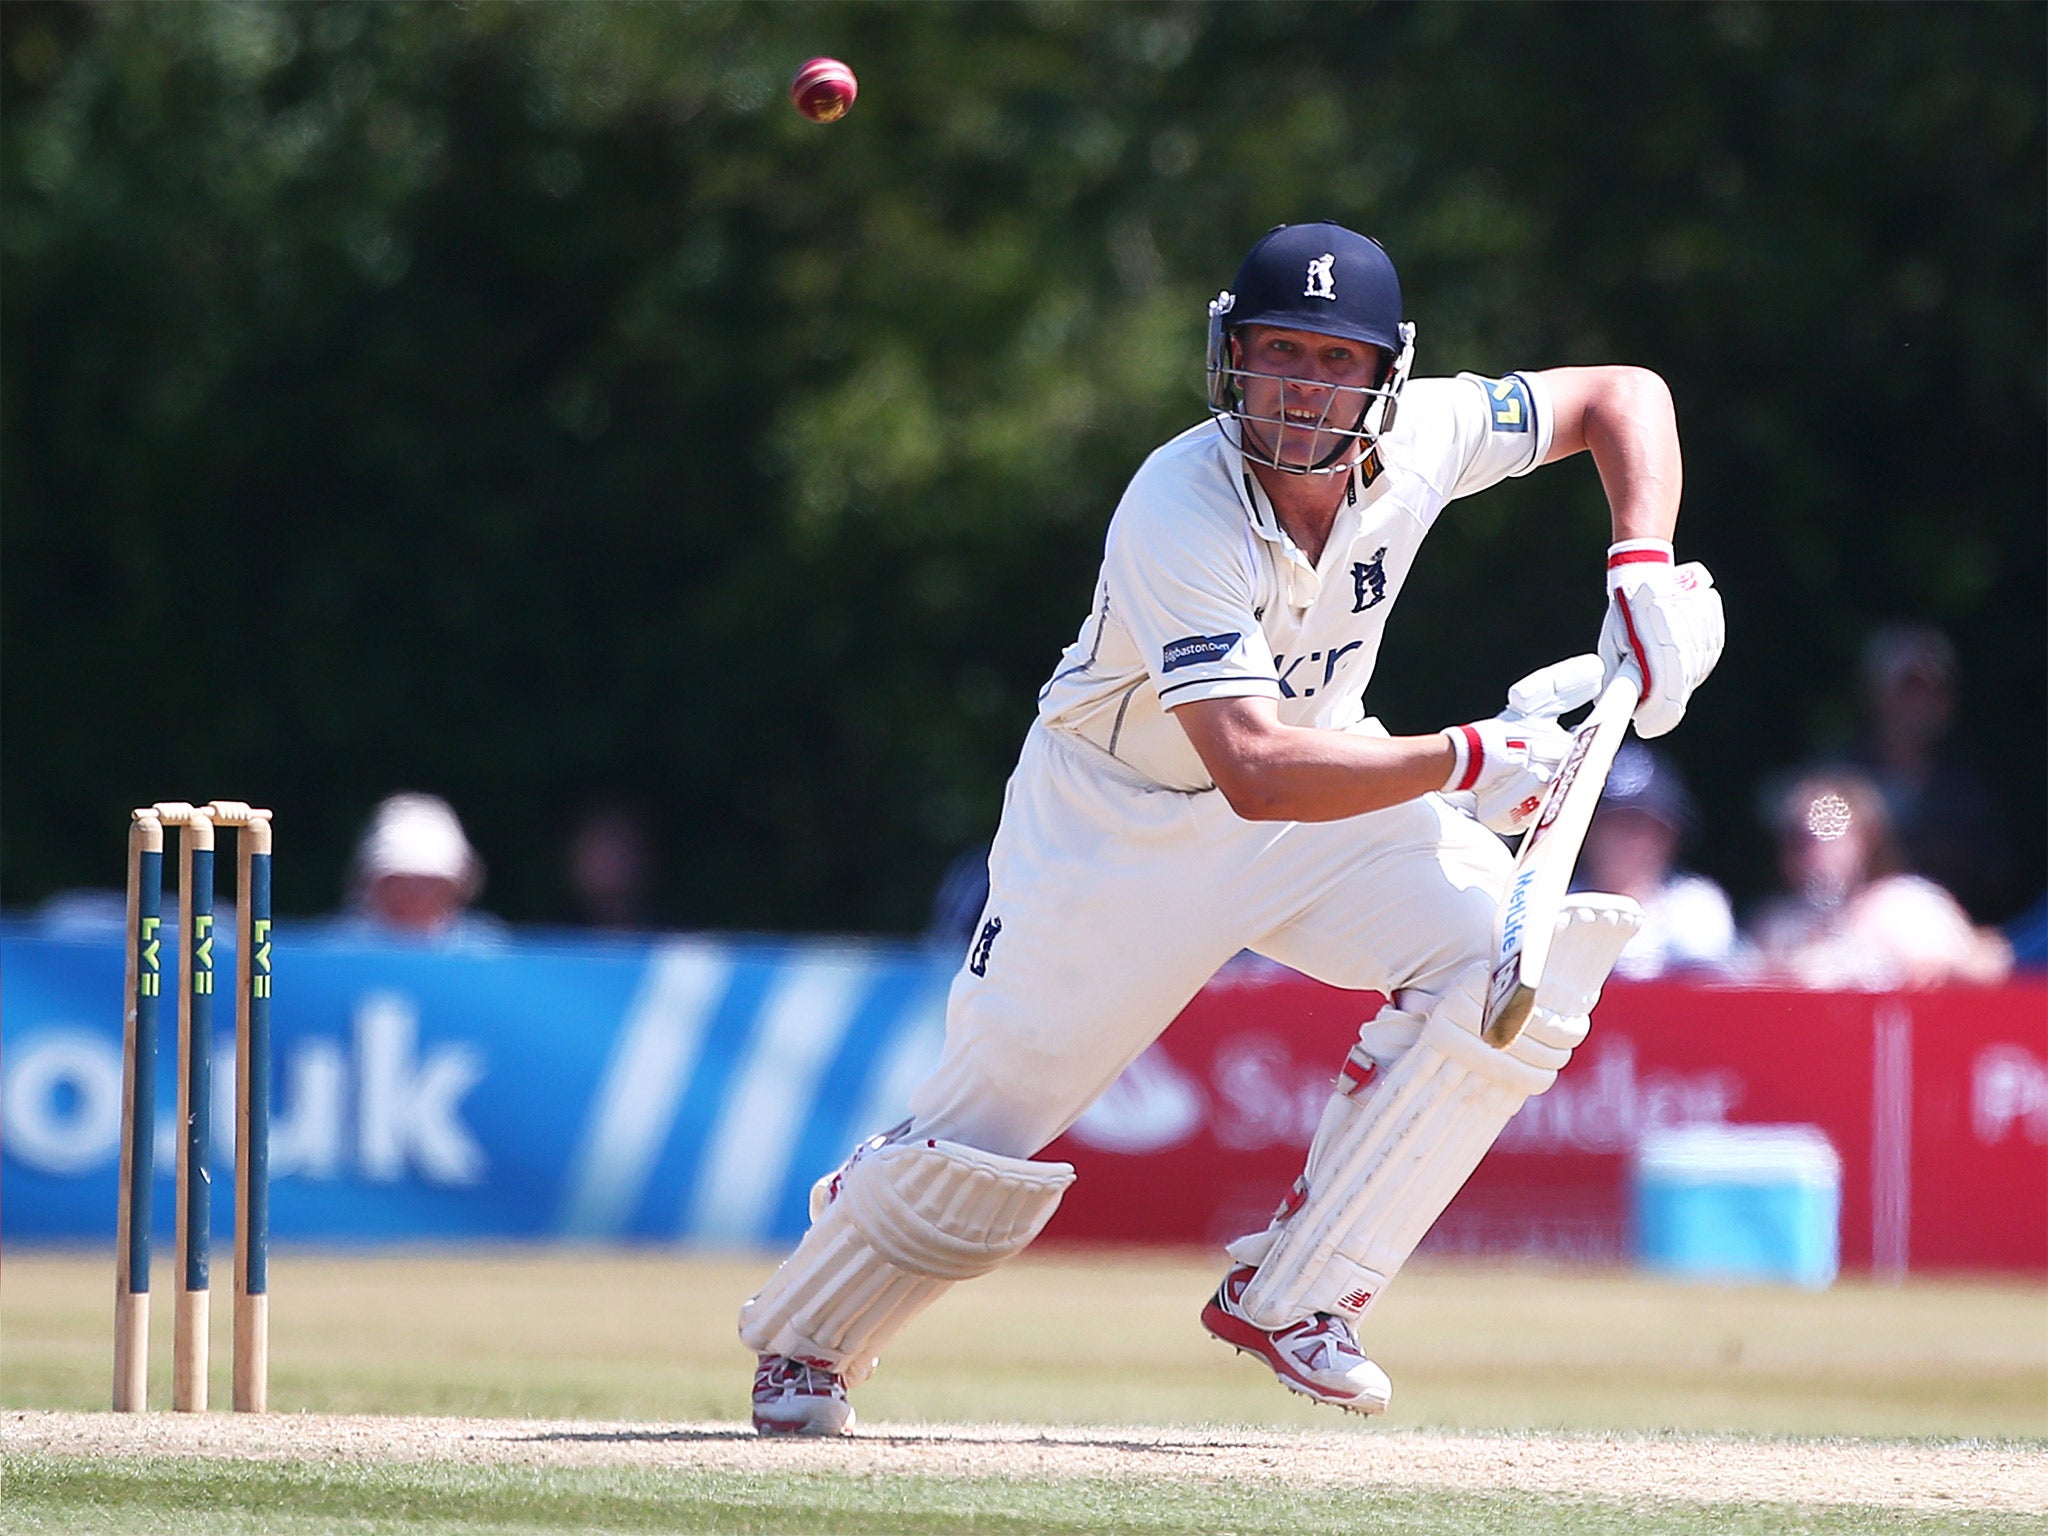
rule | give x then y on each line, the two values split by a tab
1469	754
1628	553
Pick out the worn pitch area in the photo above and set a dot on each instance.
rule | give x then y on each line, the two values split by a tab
1697	1469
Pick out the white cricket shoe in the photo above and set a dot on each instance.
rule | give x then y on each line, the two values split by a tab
794	1396
1318	1357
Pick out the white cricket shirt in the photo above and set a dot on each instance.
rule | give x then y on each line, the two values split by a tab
1203	596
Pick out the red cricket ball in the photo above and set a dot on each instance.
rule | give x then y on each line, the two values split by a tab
823	89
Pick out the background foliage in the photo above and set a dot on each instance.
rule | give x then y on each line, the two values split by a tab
521	402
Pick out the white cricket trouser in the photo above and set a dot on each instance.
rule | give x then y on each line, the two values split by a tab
1118	901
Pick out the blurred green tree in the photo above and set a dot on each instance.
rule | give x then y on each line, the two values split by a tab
521	402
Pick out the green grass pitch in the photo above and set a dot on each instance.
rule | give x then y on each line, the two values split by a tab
1926	1374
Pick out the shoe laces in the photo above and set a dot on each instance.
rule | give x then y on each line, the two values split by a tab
793	1373
1322	1342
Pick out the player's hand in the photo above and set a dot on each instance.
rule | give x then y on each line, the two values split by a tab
1665	618
1518	751
1503	766
1557	689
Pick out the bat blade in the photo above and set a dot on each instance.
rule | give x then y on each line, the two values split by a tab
1542	875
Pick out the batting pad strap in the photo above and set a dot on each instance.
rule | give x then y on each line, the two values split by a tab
1384	1165
909	1218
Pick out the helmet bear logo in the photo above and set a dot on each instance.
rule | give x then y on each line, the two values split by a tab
1322	278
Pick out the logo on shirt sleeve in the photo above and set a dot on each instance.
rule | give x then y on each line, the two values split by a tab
1196	649
1512	410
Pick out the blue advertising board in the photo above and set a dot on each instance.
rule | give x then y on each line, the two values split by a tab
543	1086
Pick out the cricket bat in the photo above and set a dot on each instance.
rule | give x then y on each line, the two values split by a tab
1527	918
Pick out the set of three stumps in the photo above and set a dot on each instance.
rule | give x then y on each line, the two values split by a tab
196	827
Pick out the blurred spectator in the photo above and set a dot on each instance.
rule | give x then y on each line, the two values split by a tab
1644	819
415	875
609	864
1946	816
1852	919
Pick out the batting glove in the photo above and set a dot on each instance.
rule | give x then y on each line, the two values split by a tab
1665	618
1504	764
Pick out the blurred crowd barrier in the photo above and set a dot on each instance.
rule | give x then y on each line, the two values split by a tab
562	1087
1936	1103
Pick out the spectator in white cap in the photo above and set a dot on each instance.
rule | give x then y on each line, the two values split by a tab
415	874
1644	819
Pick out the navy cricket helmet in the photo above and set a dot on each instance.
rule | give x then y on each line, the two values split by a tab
1330	280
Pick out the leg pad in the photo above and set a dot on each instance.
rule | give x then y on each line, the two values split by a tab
1399	1138
902	1222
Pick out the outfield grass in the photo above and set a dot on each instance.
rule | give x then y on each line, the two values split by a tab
1069	1339
173	1498
1057	1339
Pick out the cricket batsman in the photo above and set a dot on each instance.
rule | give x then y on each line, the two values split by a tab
1202	778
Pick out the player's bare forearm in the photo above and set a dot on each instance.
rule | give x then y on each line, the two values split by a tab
1625	418
1270	771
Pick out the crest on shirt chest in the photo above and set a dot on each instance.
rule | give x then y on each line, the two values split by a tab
1307	669
1369	581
